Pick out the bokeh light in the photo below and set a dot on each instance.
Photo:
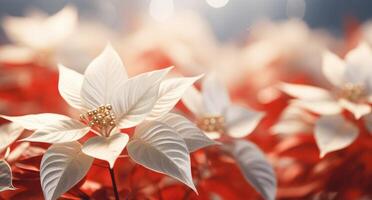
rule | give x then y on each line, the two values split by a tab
217	3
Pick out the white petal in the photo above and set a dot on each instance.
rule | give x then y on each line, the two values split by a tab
158	147
291	127
255	168
333	133
5	176
105	73
170	92
294	120
241	121
305	92
322	107
195	139
358	109
61	24
62	166
193	100
36	121
59	132
333	68
135	98
69	86
215	95
359	61
8	134
106	148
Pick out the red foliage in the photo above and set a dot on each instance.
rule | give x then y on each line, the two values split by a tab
301	174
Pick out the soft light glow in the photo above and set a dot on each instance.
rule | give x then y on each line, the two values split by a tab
161	10
217	3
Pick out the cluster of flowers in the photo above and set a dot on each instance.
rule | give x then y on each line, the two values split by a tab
176	126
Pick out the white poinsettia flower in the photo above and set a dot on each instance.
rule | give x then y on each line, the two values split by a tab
352	85
109	101
40	33
352	90
216	115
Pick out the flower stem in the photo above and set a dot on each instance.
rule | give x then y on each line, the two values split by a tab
114	183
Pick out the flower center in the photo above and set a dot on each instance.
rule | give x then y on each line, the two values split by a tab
353	92
101	119
212	124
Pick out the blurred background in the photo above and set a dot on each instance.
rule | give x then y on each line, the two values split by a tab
228	18
252	45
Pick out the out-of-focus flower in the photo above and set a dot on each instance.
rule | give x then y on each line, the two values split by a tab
110	101
215	113
218	118
156	44
278	56
351	80
287	46
39	35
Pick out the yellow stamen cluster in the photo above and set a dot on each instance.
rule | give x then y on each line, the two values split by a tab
353	92
102	117
212	124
